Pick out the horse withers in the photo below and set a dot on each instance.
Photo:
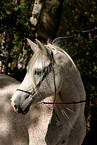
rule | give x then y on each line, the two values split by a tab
52	72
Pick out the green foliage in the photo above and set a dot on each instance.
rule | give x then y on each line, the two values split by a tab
78	15
82	47
14	28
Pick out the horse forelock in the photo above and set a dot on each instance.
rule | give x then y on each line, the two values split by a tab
31	64
38	60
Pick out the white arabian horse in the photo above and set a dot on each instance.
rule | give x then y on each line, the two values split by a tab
52	72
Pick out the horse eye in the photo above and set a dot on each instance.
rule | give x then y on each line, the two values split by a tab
38	72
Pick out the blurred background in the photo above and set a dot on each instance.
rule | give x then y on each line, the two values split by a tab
72	24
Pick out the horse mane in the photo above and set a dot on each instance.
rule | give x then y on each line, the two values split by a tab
56	47
61	109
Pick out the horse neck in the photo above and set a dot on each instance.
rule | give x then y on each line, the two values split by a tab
72	90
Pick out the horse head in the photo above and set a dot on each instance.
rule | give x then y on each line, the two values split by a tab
43	78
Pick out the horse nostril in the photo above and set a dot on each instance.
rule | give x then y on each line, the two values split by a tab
17	108
14	106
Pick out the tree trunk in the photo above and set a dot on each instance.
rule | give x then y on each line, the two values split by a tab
46	18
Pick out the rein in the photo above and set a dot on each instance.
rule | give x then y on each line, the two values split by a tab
46	71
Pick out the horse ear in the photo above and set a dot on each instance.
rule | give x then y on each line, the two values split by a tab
33	46
41	46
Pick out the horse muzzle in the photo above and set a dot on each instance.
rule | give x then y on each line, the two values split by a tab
23	106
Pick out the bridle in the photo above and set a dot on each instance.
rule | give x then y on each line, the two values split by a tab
46	71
